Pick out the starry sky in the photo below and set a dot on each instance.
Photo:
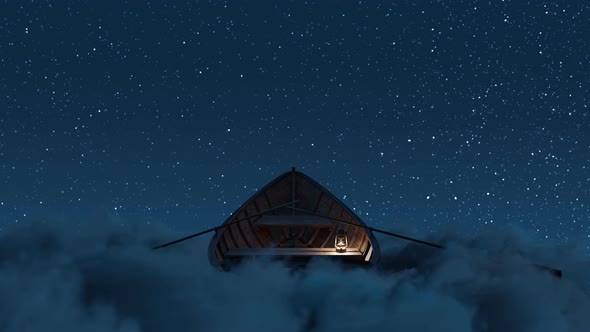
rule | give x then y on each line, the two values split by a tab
420	115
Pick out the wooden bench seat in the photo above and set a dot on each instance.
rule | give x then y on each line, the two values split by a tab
291	252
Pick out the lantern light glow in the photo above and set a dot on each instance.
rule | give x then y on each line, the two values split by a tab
341	241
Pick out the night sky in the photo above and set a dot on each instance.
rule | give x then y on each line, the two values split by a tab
420	115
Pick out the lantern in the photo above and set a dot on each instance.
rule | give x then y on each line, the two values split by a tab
340	241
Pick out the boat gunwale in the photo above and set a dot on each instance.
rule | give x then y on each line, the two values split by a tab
376	252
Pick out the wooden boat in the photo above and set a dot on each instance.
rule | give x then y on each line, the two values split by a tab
295	218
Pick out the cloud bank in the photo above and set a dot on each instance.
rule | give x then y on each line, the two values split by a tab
105	277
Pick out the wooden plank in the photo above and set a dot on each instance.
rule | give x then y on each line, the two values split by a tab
265	236
286	235
330	239
234	231
268	202
293	185
229	240
307	235
254	205
277	235
346	216
248	229
218	254
240	228
222	244
280	192
320	237
325	206
313	236
336	211
297	220
357	237
291	252
262	203
255	235
364	244
369	254
307	193
317	205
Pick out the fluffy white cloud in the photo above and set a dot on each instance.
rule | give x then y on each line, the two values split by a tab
106	278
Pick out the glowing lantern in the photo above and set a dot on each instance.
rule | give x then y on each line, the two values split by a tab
340	241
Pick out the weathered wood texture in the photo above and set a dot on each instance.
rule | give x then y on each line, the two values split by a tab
286	232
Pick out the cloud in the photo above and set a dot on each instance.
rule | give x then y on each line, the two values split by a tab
104	277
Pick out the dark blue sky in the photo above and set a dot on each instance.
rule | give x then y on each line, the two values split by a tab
422	114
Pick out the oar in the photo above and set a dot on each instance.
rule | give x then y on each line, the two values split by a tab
221	226
369	228
556	272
